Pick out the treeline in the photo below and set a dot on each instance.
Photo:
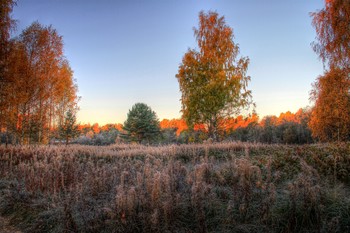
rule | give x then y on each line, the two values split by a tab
287	128
36	81
98	135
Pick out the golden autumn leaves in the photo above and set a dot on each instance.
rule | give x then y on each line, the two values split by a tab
330	119
37	85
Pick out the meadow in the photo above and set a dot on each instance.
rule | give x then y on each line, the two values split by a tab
214	187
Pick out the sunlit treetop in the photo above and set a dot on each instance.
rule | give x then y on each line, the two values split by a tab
213	80
333	35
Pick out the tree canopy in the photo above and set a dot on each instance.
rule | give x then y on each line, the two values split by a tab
6	25
213	80
142	124
40	86
330	118
333	34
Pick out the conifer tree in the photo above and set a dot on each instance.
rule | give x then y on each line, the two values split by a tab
142	124
68	129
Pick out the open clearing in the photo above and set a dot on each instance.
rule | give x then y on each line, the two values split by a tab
220	187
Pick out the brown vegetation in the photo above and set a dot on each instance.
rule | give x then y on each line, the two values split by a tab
226	187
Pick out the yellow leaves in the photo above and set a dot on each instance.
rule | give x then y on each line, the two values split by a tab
330	118
332	28
178	124
42	87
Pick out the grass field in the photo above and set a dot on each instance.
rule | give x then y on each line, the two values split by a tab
224	187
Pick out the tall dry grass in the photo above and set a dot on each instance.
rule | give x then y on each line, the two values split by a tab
217	187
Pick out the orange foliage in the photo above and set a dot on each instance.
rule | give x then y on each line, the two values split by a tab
332	33
199	127
298	117
105	127
108	127
84	128
231	124
178	124
118	126
287	117
330	118
96	128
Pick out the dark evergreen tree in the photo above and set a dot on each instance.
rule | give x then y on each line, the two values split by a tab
142	124
68	129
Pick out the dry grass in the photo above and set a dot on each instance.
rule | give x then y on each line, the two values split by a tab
214	187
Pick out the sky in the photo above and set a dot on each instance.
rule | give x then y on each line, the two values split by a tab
125	52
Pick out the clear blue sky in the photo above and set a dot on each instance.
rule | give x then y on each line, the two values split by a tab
123	52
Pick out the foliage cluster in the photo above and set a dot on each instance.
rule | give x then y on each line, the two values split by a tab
330	119
68	129
288	128
213	79
226	187
141	125
96	135
36	81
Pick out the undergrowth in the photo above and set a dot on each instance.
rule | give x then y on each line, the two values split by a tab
223	187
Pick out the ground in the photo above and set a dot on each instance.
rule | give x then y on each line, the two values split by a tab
5	226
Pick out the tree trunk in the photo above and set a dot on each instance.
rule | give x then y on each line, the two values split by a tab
213	130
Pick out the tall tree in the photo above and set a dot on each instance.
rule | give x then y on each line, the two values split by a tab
142	124
6	25
213	80
41	87
330	118
44	48
20	94
333	34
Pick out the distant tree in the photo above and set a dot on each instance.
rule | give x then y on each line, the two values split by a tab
330	118
213	80
142	124
169	135
289	133
269	133
333	34
303	130
68	129
178	124
95	128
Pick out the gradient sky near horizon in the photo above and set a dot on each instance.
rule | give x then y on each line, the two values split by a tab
124	52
